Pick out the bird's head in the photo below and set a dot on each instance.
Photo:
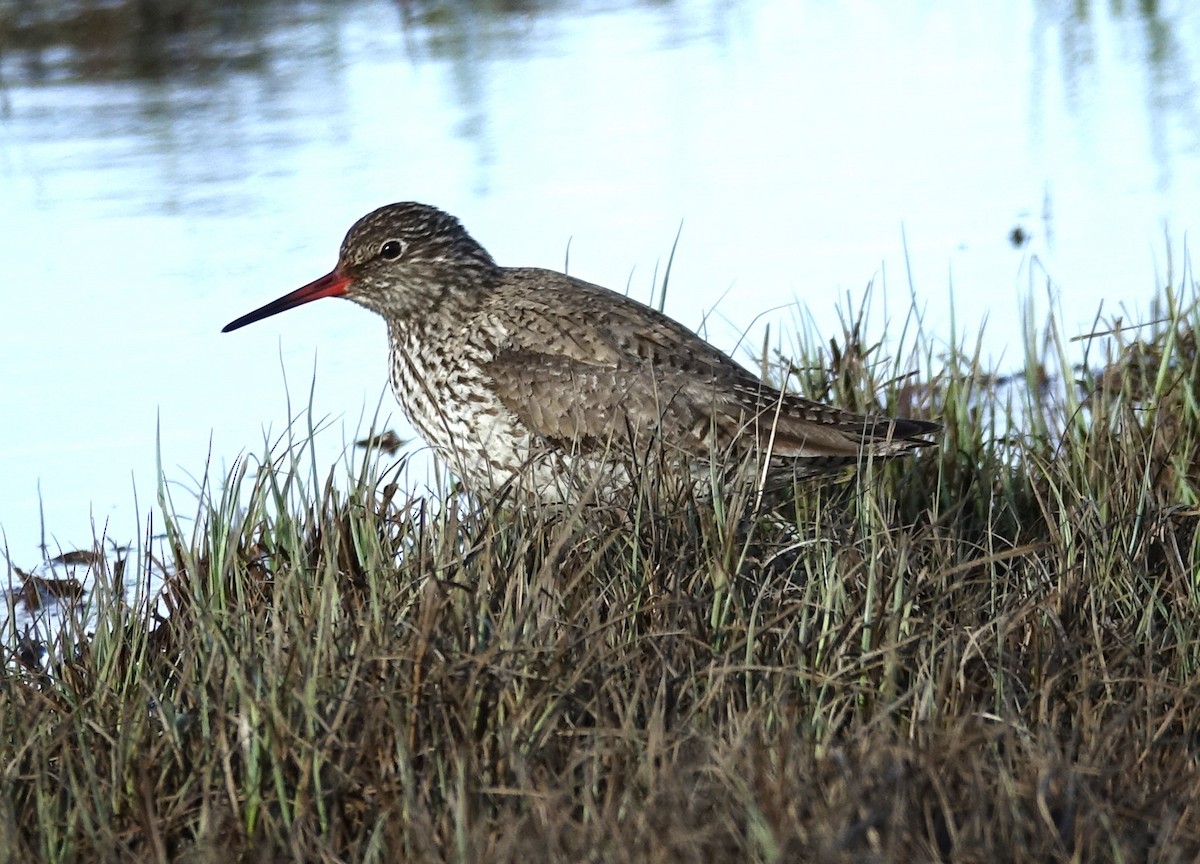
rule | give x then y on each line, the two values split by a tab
400	260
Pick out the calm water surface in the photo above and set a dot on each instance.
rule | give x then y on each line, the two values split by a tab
803	145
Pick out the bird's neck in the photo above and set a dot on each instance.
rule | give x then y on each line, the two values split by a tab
444	308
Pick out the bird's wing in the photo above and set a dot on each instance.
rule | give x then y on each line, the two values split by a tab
596	406
596	367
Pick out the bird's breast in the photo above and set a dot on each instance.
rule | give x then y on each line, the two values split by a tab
440	381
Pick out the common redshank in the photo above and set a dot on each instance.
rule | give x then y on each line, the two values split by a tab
517	371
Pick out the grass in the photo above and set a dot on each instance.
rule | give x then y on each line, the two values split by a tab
985	653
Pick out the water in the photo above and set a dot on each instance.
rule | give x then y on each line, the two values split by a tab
804	146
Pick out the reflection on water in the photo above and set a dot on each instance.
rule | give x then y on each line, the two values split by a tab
1160	61
151	39
166	165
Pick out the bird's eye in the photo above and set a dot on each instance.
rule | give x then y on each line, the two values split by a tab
391	250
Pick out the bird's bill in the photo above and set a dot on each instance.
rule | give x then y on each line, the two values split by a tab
329	285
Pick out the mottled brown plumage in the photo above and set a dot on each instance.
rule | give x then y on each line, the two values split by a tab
508	371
